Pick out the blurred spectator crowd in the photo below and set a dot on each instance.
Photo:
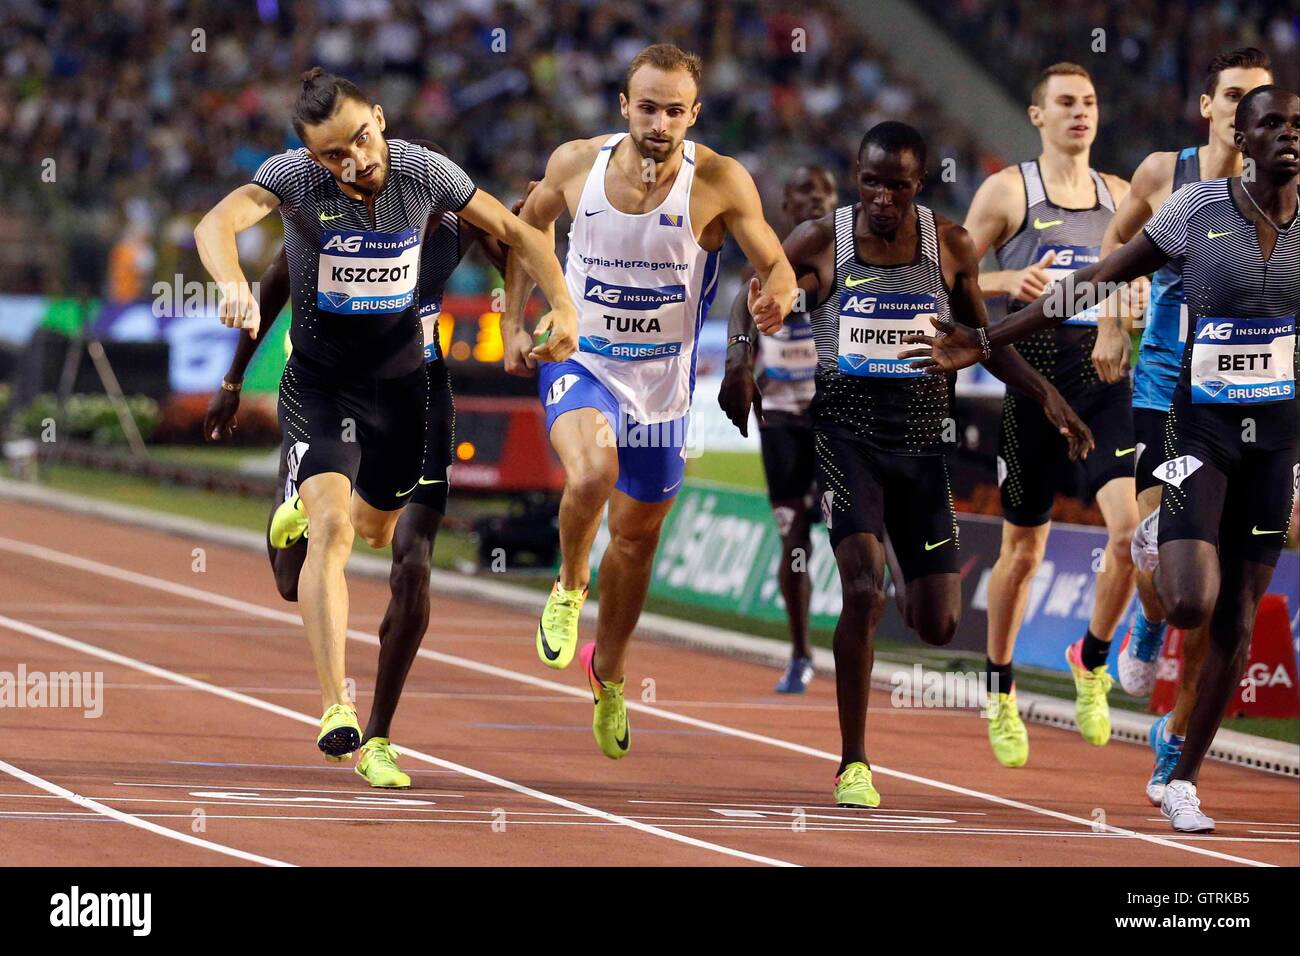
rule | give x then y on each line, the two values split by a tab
1152	68
122	121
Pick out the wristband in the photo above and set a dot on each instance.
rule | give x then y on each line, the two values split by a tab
227	386
737	339
985	347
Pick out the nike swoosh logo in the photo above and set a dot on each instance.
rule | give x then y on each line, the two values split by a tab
546	648
672	486
931	547
588	212
1211	234
1256	530
854	283
422	481
1121	452
325	218
1039	224
622	741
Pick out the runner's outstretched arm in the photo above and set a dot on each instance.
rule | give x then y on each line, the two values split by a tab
273	293
967	305
958	346
773	291
536	253
214	237
544	205
738	391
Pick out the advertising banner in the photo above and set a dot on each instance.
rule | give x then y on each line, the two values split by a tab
720	550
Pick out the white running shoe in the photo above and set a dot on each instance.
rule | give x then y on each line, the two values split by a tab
1137	663
1182	808
1146	545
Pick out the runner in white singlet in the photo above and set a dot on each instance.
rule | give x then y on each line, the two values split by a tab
650	211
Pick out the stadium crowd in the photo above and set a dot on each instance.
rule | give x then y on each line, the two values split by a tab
1148	64
152	110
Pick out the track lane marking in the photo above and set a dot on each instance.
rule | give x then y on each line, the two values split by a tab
256	610
142	824
218	691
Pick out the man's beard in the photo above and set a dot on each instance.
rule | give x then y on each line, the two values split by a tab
661	151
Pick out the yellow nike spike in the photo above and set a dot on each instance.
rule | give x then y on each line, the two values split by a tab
340	734
288	524
378	765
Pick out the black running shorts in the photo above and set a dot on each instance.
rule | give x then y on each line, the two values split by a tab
867	491
1033	458
1223	489
370	430
1150	435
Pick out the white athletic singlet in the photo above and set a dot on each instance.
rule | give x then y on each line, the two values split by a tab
642	285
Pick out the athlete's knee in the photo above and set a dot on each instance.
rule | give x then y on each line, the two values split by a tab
377	538
1021	556
935	624
331	529
1119	544
864	592
590	482
1186	606
634	540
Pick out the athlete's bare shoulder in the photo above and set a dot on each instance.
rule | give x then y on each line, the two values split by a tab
719	171
998	209
1154	175
1008	183
812	236
574	157
953	238
1118	186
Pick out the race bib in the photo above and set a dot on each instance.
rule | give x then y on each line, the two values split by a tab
791	354
367	273
1069	259
872	327
631	324
1243	361
1177	470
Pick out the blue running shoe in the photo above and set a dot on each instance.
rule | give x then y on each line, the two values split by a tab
796	677
1167	753
1138	656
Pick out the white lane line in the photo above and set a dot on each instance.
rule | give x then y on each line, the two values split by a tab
244	786
74	816
838	811
121	817
257	610
121	659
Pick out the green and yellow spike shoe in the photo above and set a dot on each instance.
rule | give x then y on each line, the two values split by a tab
557	631
340	734
609	722
853	788
1007	734
378	765
1091	708
288	524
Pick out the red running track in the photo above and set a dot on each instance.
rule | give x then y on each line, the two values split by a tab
204	753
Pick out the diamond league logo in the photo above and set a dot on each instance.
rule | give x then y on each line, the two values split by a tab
336	299
1213	387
